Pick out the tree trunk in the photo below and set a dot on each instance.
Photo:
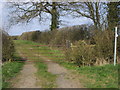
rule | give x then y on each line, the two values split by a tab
54	17
113	15
97	15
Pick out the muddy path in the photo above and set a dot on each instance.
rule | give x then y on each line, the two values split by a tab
65	78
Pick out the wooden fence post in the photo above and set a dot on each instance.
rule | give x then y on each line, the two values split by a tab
68	44
71	46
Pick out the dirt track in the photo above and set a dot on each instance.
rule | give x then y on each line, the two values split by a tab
27	77
65	78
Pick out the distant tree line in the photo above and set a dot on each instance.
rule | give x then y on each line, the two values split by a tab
58	36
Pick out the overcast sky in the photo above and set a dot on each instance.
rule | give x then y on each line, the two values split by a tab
35	25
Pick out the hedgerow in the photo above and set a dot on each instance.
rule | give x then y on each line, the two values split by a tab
93	47
7	48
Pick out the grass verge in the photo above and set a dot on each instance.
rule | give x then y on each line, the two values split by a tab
48	79
96	76
9	71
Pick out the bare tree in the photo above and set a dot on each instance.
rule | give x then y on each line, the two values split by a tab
96	11
29	10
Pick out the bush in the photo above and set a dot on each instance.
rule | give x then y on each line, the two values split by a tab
81	54
74	33
60	37
7	48
45	37
104	45
99	53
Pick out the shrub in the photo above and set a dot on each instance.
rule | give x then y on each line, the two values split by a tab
60	37
104	41
99	53
7	48
45	37
74	33
81	54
